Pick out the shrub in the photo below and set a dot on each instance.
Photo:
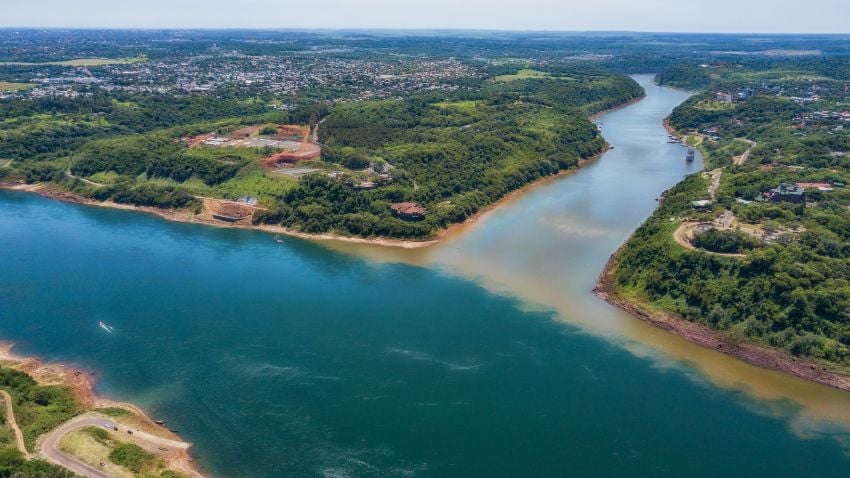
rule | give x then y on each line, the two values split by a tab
131	456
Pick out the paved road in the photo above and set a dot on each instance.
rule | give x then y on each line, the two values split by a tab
10	418
50	445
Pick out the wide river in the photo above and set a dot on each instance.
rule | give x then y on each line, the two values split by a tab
487	355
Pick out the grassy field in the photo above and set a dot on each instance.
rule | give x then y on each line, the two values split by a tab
6	86
524	74
528	74
90	447
711	105
459	106
267	187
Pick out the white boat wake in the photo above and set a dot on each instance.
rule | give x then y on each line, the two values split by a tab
106	327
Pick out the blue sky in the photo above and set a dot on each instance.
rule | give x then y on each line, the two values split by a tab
757	16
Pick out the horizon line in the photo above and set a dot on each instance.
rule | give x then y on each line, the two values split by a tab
417	29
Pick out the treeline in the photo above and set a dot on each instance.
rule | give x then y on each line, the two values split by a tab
38	408
686	76
146	194
156	155
50	128
14	465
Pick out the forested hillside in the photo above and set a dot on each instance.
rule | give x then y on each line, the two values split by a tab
452	153
773	264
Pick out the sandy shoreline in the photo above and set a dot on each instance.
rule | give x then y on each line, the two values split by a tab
82	386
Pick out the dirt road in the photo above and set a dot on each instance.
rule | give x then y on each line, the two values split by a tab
715	183
684	234
10	419
739	160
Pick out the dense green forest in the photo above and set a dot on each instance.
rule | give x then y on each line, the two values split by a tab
453	153
14	465
38	409
791	288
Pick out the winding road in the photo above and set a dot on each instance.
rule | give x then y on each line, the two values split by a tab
50	445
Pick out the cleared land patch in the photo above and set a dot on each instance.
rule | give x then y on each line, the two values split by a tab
8	86
529	74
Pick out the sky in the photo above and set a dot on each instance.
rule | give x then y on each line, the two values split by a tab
726	16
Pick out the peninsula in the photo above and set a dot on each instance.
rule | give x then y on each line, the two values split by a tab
54	422
750	257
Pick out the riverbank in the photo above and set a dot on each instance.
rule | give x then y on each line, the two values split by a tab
749	352
45	190
599	114
754	354
81	384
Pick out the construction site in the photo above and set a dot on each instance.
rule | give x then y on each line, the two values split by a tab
294	143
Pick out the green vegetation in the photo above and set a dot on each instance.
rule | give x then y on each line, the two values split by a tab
131	456
524	74
7	86
725	241
454	153
14	465
115	412
451	156
95	445
268	129
793	291
98	434
38	408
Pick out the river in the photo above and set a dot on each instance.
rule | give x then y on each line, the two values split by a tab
487	355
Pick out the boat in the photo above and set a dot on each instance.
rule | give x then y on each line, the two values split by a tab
106	327
278	239
691	154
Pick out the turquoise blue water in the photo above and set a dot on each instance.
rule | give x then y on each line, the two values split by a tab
295	360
